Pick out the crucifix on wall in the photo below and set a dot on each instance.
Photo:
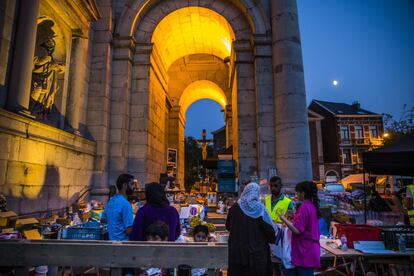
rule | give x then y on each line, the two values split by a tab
203	142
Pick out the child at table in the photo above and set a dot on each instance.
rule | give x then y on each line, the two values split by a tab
156	232
200	234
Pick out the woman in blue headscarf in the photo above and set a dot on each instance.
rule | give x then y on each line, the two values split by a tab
251	230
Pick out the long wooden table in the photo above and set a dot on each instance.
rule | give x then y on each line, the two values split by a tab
357	256
115	255
350	253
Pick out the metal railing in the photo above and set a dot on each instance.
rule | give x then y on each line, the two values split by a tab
23	254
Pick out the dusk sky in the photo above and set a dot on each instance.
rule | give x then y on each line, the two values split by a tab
367	46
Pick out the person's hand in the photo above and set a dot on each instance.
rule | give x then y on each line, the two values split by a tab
282	217
289	214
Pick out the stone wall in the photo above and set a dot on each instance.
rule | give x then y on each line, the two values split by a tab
41	167
7	8
157	121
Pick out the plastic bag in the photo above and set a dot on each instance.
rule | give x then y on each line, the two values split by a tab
283	246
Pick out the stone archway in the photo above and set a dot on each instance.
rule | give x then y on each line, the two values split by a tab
161	81
146	165
138	74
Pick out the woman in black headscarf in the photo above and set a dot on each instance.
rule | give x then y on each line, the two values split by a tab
156	208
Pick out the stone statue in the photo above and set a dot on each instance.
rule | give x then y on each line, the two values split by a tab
46	70
203	144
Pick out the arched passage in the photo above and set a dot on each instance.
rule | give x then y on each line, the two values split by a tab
202	89
187	44
192	30
157	84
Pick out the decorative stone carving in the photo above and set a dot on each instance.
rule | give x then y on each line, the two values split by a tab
45	71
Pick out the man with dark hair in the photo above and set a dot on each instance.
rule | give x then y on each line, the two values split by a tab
118	211
277	203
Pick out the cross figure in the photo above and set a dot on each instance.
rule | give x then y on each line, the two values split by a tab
203	142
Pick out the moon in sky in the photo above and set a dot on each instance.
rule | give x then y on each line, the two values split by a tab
335	83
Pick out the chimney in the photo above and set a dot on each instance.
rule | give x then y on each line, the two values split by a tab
356	105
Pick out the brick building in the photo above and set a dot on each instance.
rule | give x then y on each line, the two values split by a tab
347	131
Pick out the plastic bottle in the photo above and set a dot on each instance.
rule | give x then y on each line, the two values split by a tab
402	243
344	246
76	219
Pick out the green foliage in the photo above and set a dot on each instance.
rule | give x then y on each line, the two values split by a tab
397	128
192	162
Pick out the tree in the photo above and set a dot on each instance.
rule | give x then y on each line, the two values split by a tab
401	127
192	162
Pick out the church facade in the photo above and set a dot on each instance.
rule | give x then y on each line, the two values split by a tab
91	89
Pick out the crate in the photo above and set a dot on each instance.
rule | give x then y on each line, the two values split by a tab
391	236
226	185
358	232
226	168
85	231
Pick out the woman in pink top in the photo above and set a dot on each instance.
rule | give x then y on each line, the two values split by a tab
305	228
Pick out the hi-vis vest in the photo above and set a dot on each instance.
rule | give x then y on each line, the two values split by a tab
281	207
411	212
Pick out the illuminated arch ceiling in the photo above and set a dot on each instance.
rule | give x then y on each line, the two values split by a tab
202	89
192	30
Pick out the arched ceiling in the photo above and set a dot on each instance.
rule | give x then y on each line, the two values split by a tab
199	90
192	30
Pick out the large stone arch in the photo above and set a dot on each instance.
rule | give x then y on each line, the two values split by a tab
253	11
249	112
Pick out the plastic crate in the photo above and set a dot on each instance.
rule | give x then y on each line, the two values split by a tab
86	231
391	236
358	232
226	185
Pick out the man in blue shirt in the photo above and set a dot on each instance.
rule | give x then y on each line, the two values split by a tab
118	211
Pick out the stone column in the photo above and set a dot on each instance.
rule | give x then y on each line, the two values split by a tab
246	111
120	108
291	123
24	49
139	113
265	106
228	118
99	99
77	81
176	138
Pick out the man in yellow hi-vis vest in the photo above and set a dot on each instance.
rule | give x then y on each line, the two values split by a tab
277	202
410	203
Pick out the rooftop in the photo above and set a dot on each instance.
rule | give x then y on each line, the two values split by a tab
343	108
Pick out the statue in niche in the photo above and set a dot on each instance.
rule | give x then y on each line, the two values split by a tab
45	71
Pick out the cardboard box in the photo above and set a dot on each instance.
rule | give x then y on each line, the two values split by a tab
26	221
32	234
5	218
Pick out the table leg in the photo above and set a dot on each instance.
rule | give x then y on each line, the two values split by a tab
362	265
346	267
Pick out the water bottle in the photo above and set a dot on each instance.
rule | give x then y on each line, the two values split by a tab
402	243
76	219
344	246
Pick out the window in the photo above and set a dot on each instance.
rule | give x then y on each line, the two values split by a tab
360	152
344	133
346	155
359	133
373	131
